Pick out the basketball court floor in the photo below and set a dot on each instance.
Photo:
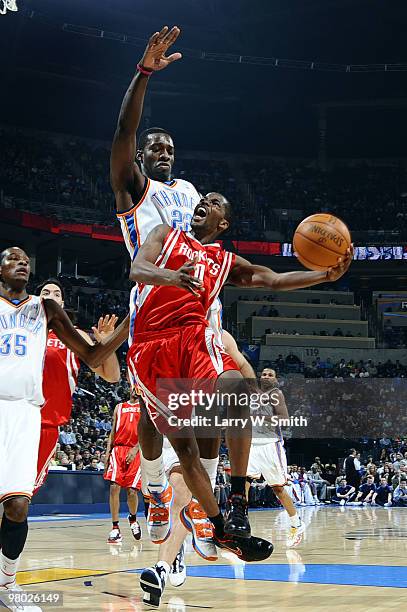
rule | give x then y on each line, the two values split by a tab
351	558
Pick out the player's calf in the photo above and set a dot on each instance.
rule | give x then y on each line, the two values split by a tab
14	530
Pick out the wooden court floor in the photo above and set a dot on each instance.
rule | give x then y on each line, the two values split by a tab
350	558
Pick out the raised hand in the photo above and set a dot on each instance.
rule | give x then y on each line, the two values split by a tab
342	266
105	327
154	57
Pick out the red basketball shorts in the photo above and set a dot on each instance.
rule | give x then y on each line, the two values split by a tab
126	475
182	354
48	442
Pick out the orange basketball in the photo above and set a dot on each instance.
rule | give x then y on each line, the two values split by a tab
320	241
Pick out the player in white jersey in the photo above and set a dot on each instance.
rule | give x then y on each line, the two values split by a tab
146	196
267	454
24	324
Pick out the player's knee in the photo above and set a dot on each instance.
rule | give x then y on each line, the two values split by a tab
188	455
131	493
114	489
16	509
278	490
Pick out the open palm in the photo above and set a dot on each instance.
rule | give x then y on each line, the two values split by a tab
105	327
154	57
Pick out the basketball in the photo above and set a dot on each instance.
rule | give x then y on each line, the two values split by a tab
320	241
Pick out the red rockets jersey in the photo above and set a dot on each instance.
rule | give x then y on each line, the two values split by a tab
155	309
127	418
61	369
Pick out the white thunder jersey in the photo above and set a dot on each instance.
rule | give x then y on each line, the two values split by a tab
23	339
172	203
263	430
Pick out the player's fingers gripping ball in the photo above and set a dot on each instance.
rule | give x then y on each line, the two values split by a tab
321	241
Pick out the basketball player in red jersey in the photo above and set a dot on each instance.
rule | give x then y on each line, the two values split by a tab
179	276
123	465
61	369
147	195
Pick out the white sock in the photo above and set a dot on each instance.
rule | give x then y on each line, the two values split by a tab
8	569
295	520
211	468
154	473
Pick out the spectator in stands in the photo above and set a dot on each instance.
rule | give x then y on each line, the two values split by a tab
371	368
93	466
292	362
86	457
105	424
222	486
330	471
318	482
280	364
383	494
366	491
344	493
398	461
67	436
400	494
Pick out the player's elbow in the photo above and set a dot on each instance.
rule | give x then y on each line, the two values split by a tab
136	273
92	358
111	376
275	281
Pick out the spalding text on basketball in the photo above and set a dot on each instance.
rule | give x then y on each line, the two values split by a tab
325	235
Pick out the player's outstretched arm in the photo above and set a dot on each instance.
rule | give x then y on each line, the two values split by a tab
143	269
92	354
240	360
126	178
244	274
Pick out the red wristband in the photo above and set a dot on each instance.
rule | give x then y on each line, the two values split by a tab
145	71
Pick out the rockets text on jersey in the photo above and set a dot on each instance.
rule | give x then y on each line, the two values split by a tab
23	334
172	203
127	418
157	308
61	368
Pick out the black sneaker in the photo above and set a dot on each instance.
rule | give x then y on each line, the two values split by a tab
236	518
135	528
247	549
152	581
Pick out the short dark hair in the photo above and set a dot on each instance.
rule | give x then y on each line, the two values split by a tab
3	254
142	139
50	281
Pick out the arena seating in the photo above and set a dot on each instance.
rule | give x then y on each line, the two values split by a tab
68	178
324	319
